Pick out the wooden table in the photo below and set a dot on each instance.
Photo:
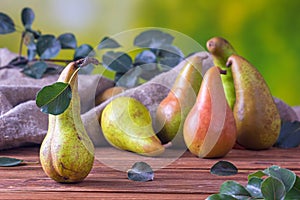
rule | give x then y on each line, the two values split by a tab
186	178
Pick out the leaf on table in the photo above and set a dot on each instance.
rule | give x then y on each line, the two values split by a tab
140	171
223	168
289	136
272	188
9	162
36	70
54	99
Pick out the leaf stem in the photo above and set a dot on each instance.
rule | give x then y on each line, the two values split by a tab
21	44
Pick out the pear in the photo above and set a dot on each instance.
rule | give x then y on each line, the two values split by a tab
256	115
126	124
209	129
67	153
172	110
220	50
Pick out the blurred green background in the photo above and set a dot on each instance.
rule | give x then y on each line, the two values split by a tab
266	32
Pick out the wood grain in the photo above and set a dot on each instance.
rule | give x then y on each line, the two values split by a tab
188	177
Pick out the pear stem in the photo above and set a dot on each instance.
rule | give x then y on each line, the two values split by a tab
224	72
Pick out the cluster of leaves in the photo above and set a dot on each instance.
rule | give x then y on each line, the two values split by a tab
157	55
44	46
272	183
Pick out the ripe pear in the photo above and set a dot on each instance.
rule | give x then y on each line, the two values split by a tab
126	124
172	111
220	50
256	115
209	130
67	153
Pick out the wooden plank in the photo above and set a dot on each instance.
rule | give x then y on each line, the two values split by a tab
187	177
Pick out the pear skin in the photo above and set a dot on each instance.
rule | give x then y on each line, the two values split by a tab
67	153
256	115
126	124
209	130
220	50
172	111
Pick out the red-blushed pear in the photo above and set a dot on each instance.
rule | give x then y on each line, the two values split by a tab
209	130
256	115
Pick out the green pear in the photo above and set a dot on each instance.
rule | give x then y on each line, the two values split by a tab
220	50
256	115
67	153
126	124
209	129
172	110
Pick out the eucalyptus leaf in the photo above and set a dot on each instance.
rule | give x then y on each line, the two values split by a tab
27	17
19	61
35	70
117	61
48	46
170	55
272	188
289	136
286	176
118	75
145	57
149	71
83	51
223	168
140	171
29	41
253	187
7	25
108	43
153	39
9	162
294	193
235	190
67	41
220	197
54	99
31	53
130	78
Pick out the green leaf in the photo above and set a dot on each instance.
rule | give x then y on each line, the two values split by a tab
6	24
272	188
289	136
130	78
67	41
258	174
27	16
108	43
235	190
48	46
9	162
224	168
153	39
253	187
286	176
35	70
294	193
149	71
170	55
83	51
220	197
54	99
31	53
117	61
140	171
